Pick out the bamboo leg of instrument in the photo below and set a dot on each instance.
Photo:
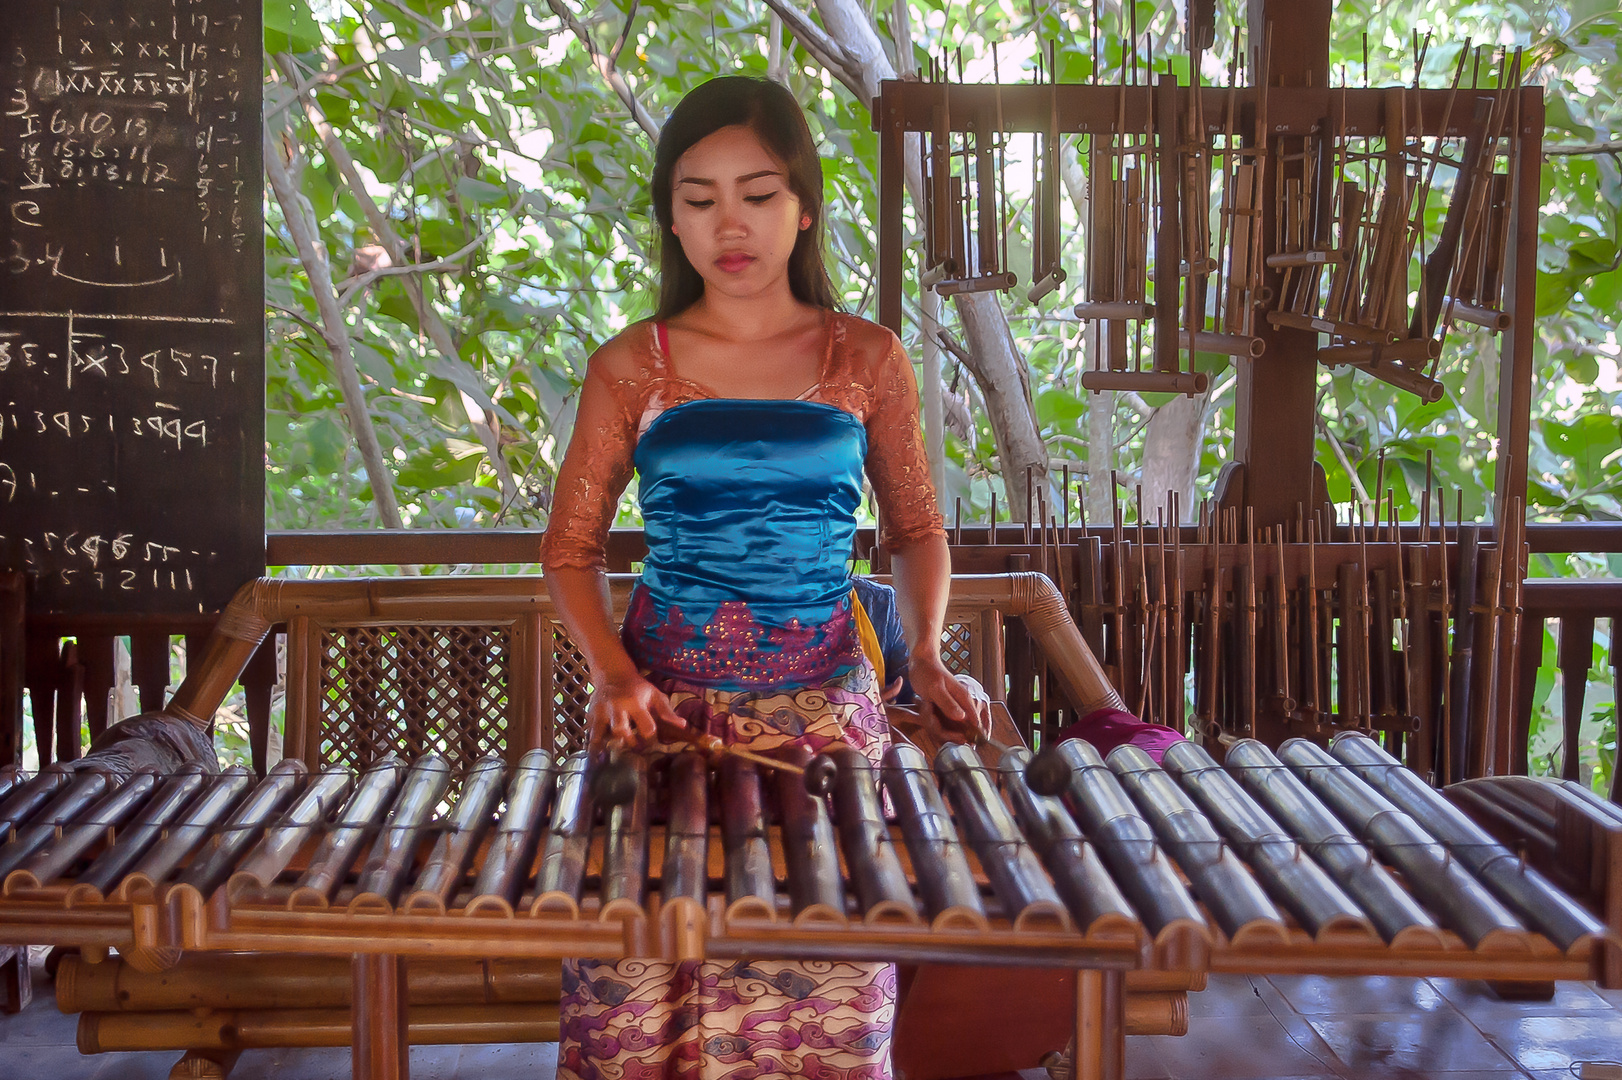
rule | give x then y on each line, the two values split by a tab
16	984
1100	1026
205	1065
378	1017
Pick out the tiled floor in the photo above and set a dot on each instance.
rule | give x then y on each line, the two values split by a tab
1297	1028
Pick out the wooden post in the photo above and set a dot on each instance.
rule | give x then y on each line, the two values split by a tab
1100	1026
378	1016
892	187
1274	433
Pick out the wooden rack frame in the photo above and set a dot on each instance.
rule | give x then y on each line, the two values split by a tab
908	108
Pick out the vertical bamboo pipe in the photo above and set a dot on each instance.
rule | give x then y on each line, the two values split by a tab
625	842
568	837
875	868
518	833
687	833
743	834
379	1018
809	854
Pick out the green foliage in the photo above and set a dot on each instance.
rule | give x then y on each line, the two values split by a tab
489	120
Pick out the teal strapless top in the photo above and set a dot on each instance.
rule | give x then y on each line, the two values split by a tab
749	509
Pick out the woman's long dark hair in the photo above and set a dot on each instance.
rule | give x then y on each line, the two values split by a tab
771	112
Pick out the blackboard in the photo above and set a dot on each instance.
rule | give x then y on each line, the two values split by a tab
131	303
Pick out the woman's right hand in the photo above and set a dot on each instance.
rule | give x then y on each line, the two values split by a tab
627	709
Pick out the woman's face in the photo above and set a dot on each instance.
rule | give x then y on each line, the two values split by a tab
733	212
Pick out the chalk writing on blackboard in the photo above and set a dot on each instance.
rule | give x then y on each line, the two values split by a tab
131	350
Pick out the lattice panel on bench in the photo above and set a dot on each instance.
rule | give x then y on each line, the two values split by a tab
957	643
571	693
413	689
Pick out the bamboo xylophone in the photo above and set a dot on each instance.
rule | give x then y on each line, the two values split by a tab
1336	861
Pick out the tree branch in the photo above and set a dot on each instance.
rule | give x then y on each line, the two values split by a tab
826	51
476	402
353	286
605	68
334	330
1578	149
625	34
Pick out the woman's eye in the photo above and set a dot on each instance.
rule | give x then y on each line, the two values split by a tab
700	204
758	199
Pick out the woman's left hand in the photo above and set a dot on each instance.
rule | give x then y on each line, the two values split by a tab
947	707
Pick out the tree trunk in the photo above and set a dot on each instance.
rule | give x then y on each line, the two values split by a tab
481	415
306	240
998	367
1171	452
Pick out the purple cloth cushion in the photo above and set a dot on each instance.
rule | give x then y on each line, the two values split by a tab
1108	728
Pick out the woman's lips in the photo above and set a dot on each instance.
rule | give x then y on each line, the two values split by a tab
734	262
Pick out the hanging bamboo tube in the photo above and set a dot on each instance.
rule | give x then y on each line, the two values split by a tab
1011	864
12	776
1276	857
809	853
1348	862
447	863
518	833
1094	900
54	859
109	867
876	876
255	875
945	882
1522	888
332	860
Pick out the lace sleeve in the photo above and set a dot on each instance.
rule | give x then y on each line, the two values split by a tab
595	470
896	461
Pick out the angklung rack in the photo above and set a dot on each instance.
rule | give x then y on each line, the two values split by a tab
1196	193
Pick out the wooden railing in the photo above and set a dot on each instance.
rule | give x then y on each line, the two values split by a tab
66	665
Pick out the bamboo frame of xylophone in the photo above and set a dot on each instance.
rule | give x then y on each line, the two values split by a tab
1095	993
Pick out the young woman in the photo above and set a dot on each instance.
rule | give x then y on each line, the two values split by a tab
750	409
